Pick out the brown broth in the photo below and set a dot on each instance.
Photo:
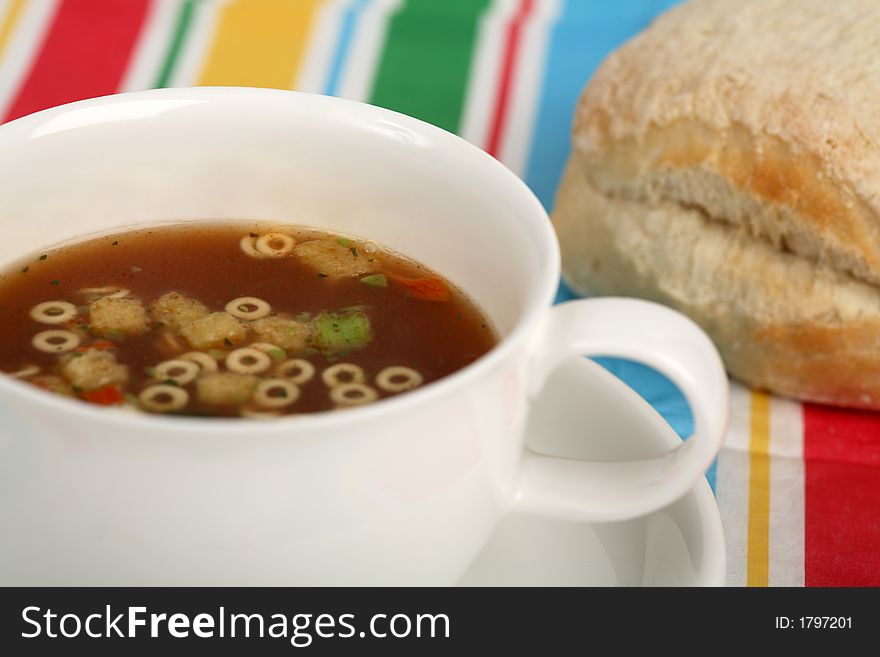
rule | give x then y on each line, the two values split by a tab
433	337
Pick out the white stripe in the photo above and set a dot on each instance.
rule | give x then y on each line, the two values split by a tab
154	41
23	47
4	7
321	46
479	98
522	104
366	48
786	493
190	62
732	485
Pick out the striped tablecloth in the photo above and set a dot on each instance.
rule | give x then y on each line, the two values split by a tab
798	485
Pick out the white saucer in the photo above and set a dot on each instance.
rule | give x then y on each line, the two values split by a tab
586	412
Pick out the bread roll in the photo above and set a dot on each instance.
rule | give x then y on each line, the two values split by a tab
726	162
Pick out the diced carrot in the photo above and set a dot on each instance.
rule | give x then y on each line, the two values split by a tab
427	289
101	345
106	396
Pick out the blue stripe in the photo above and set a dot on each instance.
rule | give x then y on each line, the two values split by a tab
583	35
343	45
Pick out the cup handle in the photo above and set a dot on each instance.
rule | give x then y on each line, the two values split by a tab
656	336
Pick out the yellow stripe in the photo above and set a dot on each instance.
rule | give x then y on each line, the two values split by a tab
10	21
259	43
759	492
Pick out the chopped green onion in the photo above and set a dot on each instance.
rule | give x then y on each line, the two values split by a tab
216	354
375	280
345	242
335	332
277	354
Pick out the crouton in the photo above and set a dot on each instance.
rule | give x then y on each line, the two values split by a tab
336	257
114	315
94	369
214	330
176	310
222	388
283	332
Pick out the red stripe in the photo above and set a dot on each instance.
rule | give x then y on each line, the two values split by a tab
84	53
508	68
842	497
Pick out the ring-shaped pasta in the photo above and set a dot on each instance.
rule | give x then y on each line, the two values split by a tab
248	308
246	244
162	398
178	370
275	393
55	341
343	373
247	360
111	291
25	372
274	245
353	394
274	352
200	358
398	378
296	370
53	312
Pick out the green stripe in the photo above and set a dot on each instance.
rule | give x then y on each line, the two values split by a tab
181	27
424	67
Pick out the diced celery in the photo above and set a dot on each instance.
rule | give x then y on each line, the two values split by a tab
335	332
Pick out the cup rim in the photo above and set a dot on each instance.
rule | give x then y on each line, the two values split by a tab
541	295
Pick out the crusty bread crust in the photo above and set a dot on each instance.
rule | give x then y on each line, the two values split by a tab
727	162
781	322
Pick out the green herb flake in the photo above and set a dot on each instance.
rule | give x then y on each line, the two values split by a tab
115	336
76	354
170	382
43	257
55	282
77	389
322	275
375	280
24	270
303	317
277	354
354	252
345	242
115	243
216	354
227	342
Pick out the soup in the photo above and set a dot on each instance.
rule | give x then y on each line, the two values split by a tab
233	320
